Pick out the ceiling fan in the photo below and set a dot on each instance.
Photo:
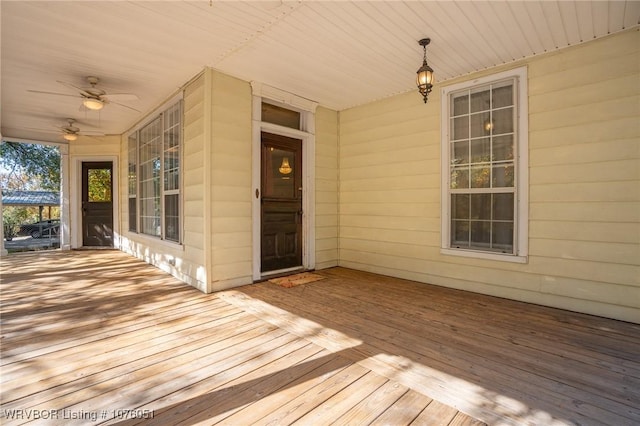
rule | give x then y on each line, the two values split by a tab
70	132
94	98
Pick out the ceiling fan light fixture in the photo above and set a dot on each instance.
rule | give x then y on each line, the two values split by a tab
93	104
70	136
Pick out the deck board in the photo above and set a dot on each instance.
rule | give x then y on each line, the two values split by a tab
87	333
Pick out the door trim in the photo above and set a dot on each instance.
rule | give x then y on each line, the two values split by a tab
75	200
308	183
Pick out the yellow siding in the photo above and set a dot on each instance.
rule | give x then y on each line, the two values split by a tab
584	171
230	162
95	146
192	175
326	188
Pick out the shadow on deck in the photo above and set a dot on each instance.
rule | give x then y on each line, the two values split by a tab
97	332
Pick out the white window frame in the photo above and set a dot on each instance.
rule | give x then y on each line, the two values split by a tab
521	210
151	117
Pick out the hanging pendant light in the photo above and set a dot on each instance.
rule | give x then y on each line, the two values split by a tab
424	80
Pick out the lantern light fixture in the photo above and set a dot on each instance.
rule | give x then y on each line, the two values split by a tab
424	80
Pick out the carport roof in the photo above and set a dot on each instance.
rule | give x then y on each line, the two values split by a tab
30	198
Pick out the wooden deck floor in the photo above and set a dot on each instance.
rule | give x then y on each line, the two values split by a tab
100	337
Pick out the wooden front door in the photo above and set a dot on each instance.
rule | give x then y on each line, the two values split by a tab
281	202
97	204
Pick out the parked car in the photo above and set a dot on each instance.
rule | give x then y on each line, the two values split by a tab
44	229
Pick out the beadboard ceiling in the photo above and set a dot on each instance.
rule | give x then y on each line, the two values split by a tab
337	53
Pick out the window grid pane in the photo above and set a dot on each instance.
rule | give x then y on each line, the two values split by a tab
172	217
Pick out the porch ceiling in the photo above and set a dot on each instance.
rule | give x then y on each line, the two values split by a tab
340	54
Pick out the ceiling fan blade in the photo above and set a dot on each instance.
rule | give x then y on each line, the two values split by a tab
123	105
121	97
53	93
72	86
39	130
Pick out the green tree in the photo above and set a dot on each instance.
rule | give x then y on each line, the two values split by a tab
26	167
40	163
12	217
99	185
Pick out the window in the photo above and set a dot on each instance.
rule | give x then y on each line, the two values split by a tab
484	147
281	116
154	176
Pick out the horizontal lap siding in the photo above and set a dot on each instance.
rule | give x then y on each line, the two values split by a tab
230	163
326	181
193	172
584	171
585	176
389	186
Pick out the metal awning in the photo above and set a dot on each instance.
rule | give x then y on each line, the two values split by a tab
30	198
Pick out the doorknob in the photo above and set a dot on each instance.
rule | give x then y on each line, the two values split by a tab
257	193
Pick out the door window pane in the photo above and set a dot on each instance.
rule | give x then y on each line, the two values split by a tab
99	185
281	167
